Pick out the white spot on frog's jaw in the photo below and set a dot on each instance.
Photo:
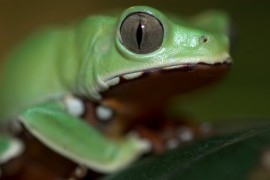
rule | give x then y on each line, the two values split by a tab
132	75
173	67
113	81
74	106
104	113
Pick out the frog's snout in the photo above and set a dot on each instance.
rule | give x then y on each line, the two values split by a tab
214	44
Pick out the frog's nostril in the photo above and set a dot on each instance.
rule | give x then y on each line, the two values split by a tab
203	39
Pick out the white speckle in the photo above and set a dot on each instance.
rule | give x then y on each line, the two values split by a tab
101	86
132	75
172	143
113	81
104	113
16	147
80	171
143	144
173	67
74	106
185	134
228	60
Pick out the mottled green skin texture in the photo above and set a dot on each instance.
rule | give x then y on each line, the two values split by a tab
79	59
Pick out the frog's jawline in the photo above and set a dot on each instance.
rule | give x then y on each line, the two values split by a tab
158	85
182	68
161	70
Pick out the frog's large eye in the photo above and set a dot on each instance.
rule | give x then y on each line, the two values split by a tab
141	33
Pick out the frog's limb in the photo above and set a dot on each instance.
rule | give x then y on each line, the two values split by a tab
78	141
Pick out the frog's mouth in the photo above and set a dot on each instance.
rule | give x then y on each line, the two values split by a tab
159	84
138	100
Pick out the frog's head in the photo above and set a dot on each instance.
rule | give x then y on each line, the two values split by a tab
152	57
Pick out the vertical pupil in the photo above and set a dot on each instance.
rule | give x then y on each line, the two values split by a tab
139	35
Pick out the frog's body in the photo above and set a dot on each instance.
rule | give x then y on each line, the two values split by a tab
41	78
59	48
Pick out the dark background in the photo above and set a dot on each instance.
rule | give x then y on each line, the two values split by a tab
245	93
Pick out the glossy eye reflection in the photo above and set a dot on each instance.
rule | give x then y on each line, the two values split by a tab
141	33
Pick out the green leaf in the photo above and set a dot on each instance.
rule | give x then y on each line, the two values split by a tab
236	156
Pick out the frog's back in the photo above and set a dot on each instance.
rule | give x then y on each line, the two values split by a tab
30	73
47	66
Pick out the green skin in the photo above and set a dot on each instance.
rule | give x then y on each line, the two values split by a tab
81	60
